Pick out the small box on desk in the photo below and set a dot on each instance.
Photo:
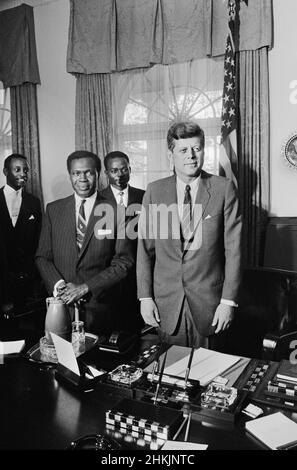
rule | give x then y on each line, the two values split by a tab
145	418
77	382
171	393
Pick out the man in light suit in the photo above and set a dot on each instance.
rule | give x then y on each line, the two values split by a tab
188	279
74	261
118	171
20	224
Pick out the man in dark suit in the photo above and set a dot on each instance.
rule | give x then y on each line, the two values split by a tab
20	217
188	278
118	171
78	260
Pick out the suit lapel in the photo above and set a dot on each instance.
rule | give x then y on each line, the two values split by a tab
4	214
170	199
69	232
202	199
24	211
90	230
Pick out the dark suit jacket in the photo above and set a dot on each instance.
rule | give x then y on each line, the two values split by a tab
101	263
127	291
205	274
21	241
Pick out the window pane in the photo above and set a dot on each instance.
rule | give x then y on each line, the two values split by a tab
147	101
5	128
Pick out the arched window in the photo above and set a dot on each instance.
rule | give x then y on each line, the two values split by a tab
145	102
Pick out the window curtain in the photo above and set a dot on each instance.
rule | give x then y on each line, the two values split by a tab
146	101
24	129
5	125
254	151
116	35
93	122
19	72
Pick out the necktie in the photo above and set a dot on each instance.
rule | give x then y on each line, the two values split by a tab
15	207
121	200
81	224
187	213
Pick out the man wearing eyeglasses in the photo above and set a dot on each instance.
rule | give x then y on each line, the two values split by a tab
129	199
74	262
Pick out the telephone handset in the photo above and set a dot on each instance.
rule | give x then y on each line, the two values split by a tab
118	342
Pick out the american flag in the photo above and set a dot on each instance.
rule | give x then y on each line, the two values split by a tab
228	150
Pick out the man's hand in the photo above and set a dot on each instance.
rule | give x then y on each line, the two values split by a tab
73	292
223	317
149	312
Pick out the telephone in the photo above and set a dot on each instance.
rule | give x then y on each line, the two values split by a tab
118	342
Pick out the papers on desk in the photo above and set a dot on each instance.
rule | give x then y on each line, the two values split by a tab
65	353
206	365
180	445
11	347
276	431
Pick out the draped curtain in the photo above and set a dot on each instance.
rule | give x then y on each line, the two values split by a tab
253	151
93	122
19	71
24	129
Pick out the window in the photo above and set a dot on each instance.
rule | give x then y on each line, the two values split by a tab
147	101
5	127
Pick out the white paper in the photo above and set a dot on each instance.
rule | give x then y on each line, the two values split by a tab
273	430
206	365
180	445
11	347
65	353
96	372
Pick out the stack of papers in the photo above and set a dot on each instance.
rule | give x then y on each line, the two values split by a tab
276	431
206	365
11	347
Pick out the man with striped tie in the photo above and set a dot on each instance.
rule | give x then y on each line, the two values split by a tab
76	264
188	278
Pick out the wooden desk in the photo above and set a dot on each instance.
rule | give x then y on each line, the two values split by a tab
37	412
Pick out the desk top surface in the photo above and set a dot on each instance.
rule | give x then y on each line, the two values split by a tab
37	412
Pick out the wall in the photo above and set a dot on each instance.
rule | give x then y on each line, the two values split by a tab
283	71
56	97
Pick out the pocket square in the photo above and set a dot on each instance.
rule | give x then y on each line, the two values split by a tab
101	232
31	217
207	217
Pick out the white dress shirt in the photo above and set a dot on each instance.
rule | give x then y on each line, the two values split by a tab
89	204
116	193
180	190
13	200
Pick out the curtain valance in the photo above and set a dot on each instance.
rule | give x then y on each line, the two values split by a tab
115	35
18	58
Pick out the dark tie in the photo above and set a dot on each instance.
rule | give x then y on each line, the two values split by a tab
187	213
121	200
81	224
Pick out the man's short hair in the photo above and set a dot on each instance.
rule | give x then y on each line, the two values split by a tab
78	154
11	157
184	130
115	154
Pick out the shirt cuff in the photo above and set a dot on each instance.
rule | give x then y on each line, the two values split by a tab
145	298
56	286
231	303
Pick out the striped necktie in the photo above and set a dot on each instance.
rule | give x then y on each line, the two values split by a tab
121	200
81	224
187	213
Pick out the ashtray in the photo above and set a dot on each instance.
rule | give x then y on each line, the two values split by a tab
126	374
218	396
